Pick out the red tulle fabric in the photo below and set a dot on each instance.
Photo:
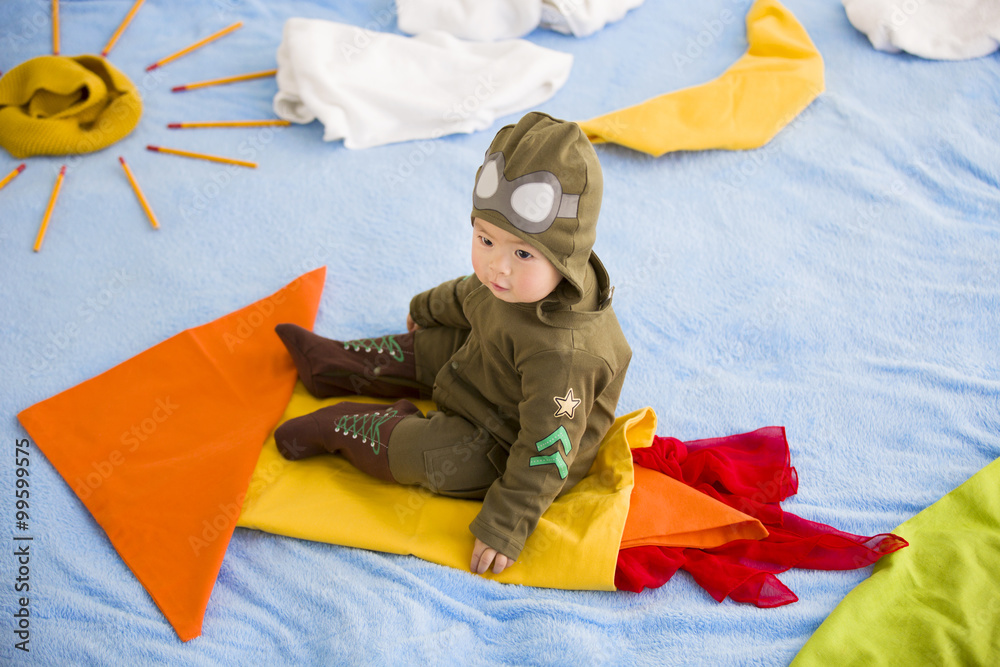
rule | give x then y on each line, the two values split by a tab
750	472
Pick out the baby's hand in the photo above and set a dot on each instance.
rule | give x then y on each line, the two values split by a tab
483	555
411	326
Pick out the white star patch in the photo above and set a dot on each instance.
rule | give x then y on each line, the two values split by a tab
566	404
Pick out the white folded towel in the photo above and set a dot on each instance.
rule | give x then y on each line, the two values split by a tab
486	20
371	88
935	29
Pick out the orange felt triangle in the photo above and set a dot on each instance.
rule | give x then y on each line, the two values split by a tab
161	448
666	512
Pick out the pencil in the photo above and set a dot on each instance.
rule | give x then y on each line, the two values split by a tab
48	209
12	175
121	28
228	79
201	156
55	27
196	45
230	123
138	193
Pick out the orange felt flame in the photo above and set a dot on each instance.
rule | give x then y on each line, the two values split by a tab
666	512
161	448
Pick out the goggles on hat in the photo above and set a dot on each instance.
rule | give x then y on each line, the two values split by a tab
530	202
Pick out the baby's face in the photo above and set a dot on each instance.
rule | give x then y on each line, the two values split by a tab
513	270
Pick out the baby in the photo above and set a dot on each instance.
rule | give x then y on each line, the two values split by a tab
525	358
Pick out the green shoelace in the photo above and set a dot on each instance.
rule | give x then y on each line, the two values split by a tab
385	343
367	426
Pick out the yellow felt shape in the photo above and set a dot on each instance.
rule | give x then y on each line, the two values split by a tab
780	74
325	499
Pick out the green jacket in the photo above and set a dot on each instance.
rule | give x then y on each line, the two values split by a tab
542	378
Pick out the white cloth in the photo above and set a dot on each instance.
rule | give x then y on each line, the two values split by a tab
935	29
371	88
487	20
583	17
476	20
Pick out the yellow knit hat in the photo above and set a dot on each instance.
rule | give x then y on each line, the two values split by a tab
56	105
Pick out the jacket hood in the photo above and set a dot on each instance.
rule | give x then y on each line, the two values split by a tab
541	181
598	292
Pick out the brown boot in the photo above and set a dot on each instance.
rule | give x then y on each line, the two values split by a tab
380	367
357	431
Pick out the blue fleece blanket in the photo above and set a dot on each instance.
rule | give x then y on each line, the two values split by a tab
843	281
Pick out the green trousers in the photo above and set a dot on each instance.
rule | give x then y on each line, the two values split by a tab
443	452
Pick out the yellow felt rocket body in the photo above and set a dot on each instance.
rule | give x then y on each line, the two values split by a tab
325	499
780	74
